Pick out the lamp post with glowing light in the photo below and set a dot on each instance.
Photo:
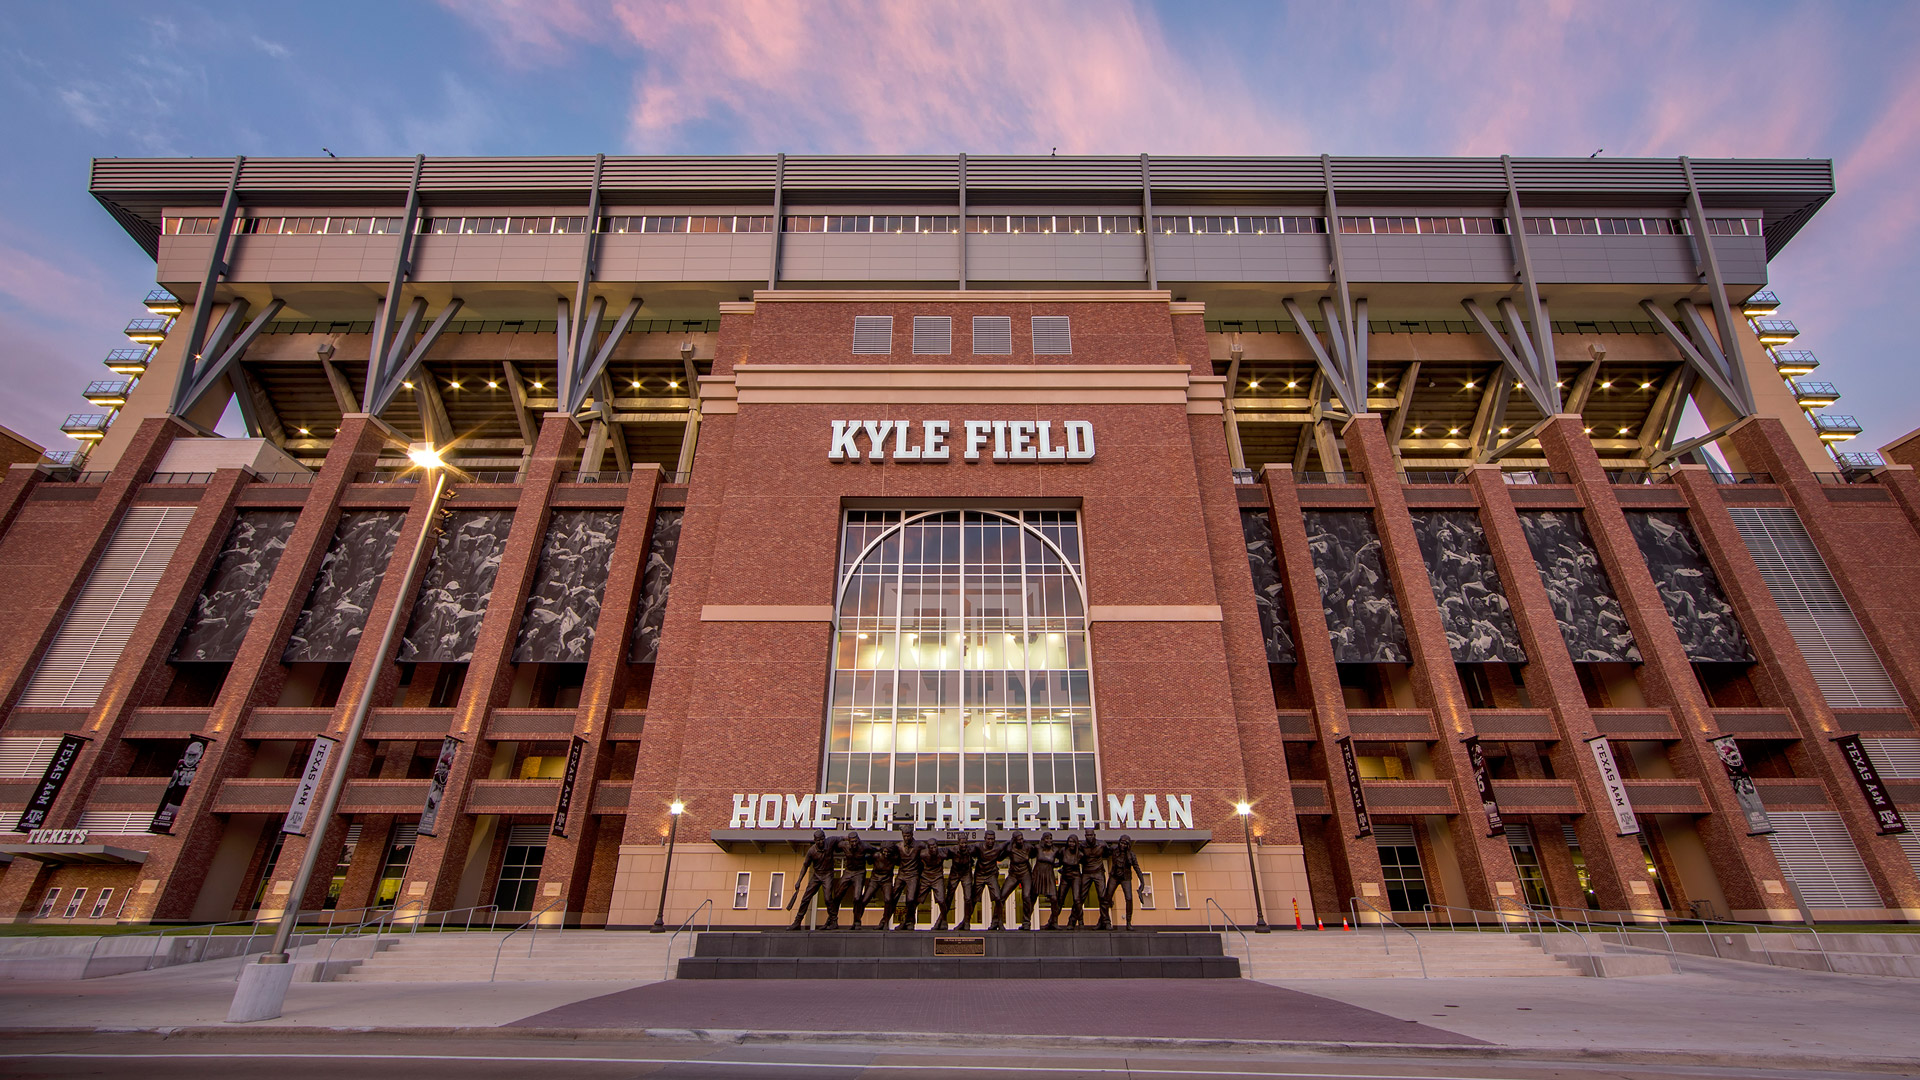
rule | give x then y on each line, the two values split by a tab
1245	810
263	985
666	872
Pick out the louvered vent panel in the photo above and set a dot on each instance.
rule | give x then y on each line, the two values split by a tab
932	335
1816	851
1844	664
1896	759
992	335
95	632
404	834
527	835
1519	835
1393	835
1570	835
115	822
872	335
1910	843
25	756
1052	336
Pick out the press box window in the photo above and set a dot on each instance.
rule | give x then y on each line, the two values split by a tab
932	335
872	335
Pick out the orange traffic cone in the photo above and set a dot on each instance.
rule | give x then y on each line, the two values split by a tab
1344	926
1319	924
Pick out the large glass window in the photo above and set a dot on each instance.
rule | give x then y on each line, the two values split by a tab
960	657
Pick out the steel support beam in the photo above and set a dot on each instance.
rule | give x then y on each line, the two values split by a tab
203	304
230	348
1701	352
1681	449
381	344
1583	385
433	410
779	219
1709	269
1518	351
1335	369
1146	218
517	393
405	356
1546	364
574	395
1409	379
963	222
1516	442
342	388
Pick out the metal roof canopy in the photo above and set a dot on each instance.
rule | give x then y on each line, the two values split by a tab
1787	191
75	853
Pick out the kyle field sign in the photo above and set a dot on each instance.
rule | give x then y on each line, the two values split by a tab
1015	441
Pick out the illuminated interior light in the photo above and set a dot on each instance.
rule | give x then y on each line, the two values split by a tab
538	385
1587	430
673	384
304	431
1253	384
1646	386
1419	431
635	383
409	385
1608	385
492	385
454	385
1504	430
1293	384
1453	431
1623	431
1380	385
1471	384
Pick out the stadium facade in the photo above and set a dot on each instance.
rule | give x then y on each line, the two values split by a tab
1037	493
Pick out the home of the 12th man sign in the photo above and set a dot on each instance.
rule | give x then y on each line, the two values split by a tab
1019	441
863	811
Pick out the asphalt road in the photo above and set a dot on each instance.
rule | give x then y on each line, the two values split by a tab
334	1056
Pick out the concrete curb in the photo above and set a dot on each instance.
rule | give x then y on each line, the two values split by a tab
1306	1047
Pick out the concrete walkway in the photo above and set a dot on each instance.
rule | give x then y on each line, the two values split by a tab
1711	1011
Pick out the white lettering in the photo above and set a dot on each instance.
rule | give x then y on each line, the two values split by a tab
1079	440
947	813
769	811
742	812
860	811
799	813
843	446
934	434
1026	813
1150	817
57	836
1053	809
883	810
876	437
1048	451
999	440
1080	812
825	814
922	805
1120	811
901	451
973	810
976	437
1179	811
1020	438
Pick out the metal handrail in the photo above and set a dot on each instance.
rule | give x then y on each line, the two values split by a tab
1537	920
1386	921
159	935
425	915
1641	921
1228	924
379	922
532	924
666	970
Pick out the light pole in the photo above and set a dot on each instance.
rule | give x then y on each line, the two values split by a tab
1245	810
263	985
666	872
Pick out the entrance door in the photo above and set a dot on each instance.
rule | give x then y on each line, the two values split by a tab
1526	859
520	868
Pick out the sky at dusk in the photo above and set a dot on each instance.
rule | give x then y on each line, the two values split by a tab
1823	80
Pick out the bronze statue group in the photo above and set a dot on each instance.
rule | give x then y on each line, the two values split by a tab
1082	873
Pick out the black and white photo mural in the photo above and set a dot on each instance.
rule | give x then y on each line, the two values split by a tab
1362	618
1591	619
656	581
564	604
455	587
224	610
328	629
1473	604
1701	615
1263	558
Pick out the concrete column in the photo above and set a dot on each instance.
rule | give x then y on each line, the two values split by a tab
440	861
1614	862
1740	862
1785	680
171	878
1355	860
1486	862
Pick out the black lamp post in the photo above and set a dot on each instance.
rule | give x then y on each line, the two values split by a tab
666	872
1245	810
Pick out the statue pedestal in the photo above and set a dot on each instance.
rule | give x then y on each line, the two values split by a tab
979	954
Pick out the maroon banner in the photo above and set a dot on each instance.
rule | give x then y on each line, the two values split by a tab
1885	814
51	781
1354	789
1488	803
566	786
176	793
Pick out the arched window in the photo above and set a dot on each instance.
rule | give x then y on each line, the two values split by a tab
960	657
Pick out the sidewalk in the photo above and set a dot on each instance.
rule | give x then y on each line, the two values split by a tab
1713	1012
